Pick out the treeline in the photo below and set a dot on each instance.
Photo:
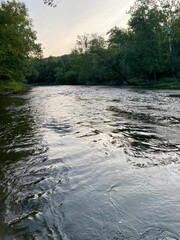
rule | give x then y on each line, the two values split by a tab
17	45
148	50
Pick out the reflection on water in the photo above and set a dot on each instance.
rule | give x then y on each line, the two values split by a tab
90	163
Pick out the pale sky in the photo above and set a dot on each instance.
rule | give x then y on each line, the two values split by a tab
57	28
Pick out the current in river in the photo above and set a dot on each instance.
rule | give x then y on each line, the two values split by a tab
90	163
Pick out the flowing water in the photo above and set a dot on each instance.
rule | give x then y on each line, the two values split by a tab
90	163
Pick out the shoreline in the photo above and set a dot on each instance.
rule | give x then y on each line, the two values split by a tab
15	92
146	86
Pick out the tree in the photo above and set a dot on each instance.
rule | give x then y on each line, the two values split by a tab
86	52
171	10
176	44
120	48
145	22
17	41
168	11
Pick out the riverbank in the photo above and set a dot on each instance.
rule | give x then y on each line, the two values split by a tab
164	83
9	88
169	84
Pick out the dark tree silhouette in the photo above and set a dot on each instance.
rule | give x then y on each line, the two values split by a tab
51	3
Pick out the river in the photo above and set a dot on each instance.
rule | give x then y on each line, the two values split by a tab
90	163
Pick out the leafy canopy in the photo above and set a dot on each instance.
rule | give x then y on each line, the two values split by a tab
17	41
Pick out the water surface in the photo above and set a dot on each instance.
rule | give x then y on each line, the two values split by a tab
90	163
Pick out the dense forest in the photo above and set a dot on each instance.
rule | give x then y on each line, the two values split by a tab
146	52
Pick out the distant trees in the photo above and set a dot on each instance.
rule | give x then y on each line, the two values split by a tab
148	50
17	41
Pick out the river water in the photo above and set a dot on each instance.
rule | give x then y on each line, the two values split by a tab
90	163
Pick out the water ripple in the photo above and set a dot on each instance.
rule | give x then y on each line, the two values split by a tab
87	163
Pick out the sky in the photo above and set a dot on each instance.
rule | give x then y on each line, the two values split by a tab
57	28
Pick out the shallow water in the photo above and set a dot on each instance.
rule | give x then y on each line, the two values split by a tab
90	163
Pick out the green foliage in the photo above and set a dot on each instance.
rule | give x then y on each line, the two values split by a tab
11	86
17	42
143	54
167	83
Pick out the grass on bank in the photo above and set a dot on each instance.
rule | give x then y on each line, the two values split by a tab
164	83
167	83
11	86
